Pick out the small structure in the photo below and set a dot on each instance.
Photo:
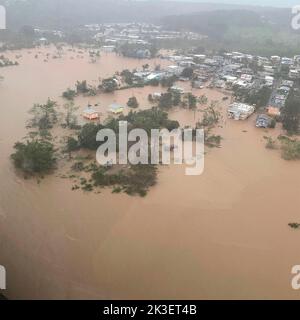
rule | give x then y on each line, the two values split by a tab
143	54
287	83
294	74
108	49
90	114
116	108
247	77
263	121
220	84
177	89
198	84
155	76
273	110
156	96
269	81
174	70
43	41
240	111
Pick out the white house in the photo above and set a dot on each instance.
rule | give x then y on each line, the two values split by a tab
240	111
294	74
174	70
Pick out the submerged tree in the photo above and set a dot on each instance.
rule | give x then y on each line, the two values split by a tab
192	103
36	156
87	136
44	115
133	103
82	87
70	116
71	145
187	73
109	85
69	94
127	77
211	118
166	101
291	115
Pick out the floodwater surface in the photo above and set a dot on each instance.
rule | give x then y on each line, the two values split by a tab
220	235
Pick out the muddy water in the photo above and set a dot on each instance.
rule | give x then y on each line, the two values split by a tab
220	235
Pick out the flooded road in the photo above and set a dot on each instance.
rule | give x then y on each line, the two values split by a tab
220	235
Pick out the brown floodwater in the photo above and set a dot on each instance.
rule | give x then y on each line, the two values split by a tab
223	234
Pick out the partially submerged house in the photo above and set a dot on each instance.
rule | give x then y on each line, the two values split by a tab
155	76
177	89
156	96
240	111
174	70
90	114
264	121
116	108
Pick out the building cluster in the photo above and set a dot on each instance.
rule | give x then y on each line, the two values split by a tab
113	35
137	32
246	72
45	33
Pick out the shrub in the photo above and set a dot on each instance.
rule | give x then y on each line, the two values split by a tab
271	143
36	156
69	94
290	149
133	103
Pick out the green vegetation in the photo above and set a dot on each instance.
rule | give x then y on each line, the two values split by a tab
133	103
69	94
262	33
72	145
82	87
36	156
128	77
166	101
135	181
44	115
87	136
291	115
294	225
70	116
290	149
109	85
5	62
192	101
138	51
271	143
154	118
187	73
211	118
168	82
173	98
258	98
